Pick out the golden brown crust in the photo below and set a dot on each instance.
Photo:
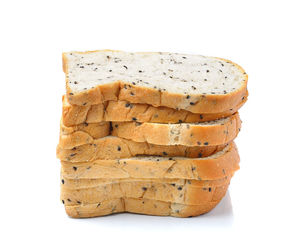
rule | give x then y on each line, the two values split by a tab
217	166
120	90
178	193
74	139
115	148
153	133
179	134
94	210
95	130
139	206
78	183
77	135
125	111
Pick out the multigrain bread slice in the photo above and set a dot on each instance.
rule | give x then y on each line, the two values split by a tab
180	81
92	183
111	147
216	166
125	111
184	194
211	133
139	206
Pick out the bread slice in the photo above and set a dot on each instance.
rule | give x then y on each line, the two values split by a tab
76	183
112	147
211	133
216	166
191	82
125	111
71	136
184	194
139	206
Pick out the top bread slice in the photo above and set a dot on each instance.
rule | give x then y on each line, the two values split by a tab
180	81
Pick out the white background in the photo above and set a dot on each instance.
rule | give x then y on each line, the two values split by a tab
262	211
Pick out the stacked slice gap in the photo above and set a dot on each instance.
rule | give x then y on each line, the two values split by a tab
148	133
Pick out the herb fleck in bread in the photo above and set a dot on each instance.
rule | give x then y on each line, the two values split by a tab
191	82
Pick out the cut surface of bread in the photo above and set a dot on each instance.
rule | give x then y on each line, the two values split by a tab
139	206
111	147
211	133
185	194
191	82
125	111
216	166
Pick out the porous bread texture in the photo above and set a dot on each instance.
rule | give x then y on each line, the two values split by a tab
124	111
216	166
139	206
112	147
211	133
209	84
185	194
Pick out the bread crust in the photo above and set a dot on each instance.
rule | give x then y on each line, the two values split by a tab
185	134
78	183
119	90
180	134
139	206
216	166
184	194
124	111
85	133
115	148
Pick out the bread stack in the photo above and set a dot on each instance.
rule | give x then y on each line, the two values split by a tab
148	133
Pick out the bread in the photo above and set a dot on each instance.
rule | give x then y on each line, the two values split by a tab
191	82
78	183
216	166
96	130
210	133
148	133
156	190
139	206
125	111
82	134
112	147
